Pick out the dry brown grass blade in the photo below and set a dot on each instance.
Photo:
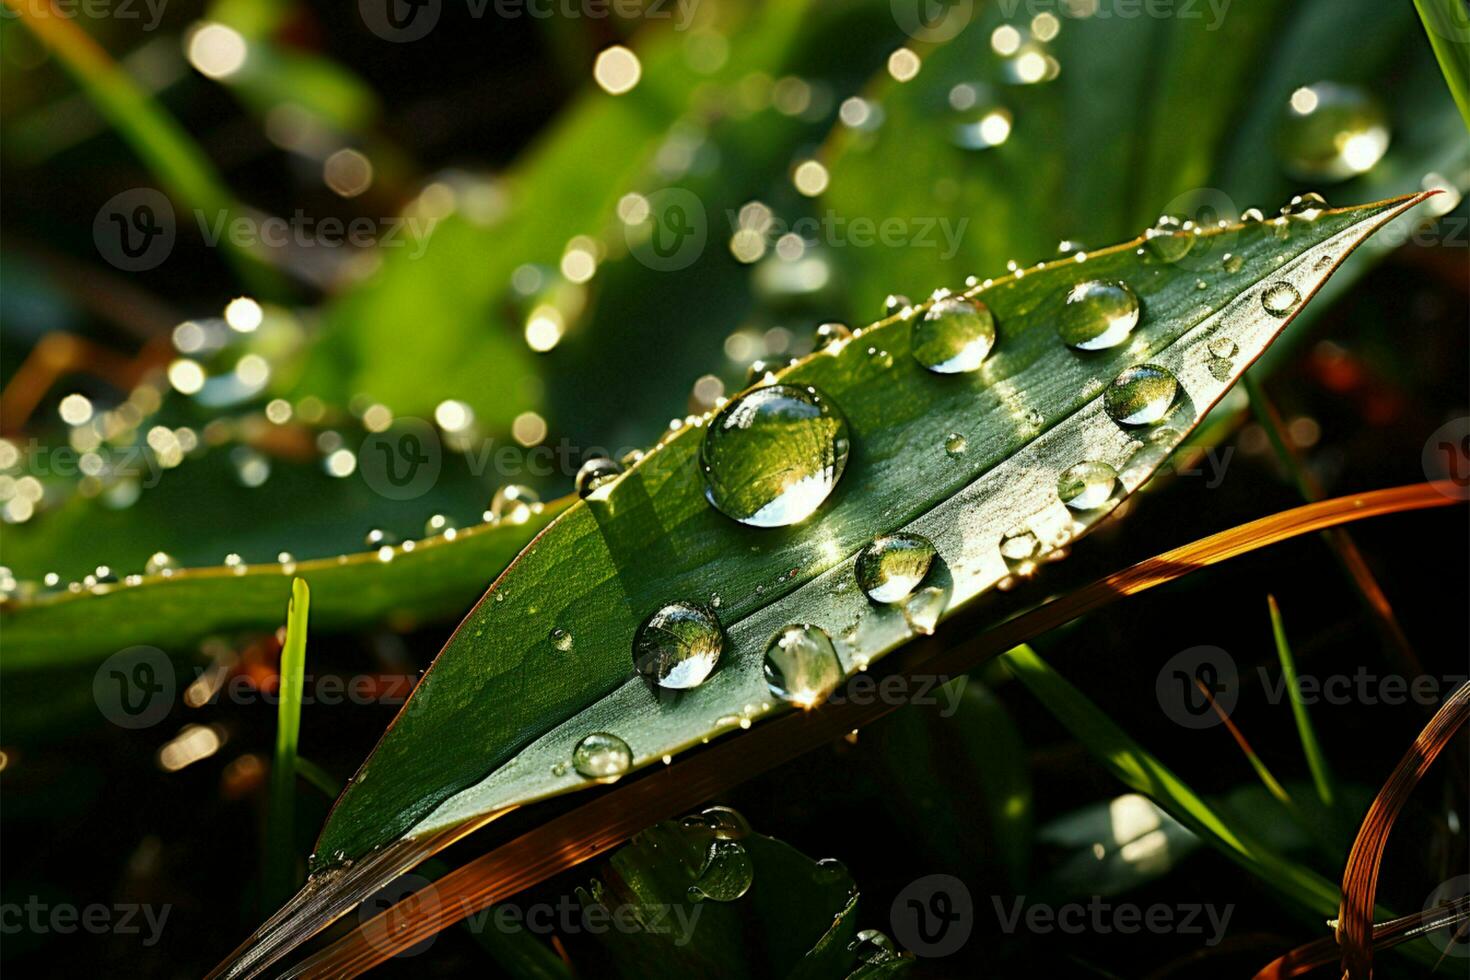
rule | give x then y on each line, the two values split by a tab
1360	877
616	815
1318	953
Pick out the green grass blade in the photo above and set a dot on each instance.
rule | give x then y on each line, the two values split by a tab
280	838
1447	23
1140	770
1316	761
318	777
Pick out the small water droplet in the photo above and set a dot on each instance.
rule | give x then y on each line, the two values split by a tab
561	639
923	609
771	456
514	504
1220	368
159	563
873	948
889	568
1169	240
1308	206
1233	263
602	757
1019	546
801	665
1280	298
558	768
1087	485
678	646
954	336
437	524
1332	132
1252	216
1223	347
377	538
759	369
1098	315
956	445
1141	395
828	334
895	303
596	473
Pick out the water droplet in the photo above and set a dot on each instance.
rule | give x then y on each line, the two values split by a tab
104	575
160	563
1332	132
1098	315
891	567
727	873
437	524
873	948
1223	347
558	768
678	645
513	504
923	609
1233	263
596	473
759	368
956	445
378	538
895	303
1169	239
1220	368
954	336
1252	216
1141	395
771	456
801	665
1308	206
1019	546
1279	298
561	639
1087	485
602	757
828	334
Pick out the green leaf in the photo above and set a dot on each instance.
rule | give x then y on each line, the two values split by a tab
1316	760
1447	24
280	836
494	721
439	577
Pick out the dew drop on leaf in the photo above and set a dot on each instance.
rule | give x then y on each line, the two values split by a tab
727	874
895	303
1308	206
1098	315
828	334
923	609
1223	347
160	563
1169	240
772	455
602	757
595	473
801	665
1087	485
513	504
1233	263
561	639
1019	546
1141	395
954	336
1279	298
678	646
956	445
891	567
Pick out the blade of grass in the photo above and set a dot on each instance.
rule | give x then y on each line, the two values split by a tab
1338	540
280	838
318	777
1447	22
1263	772
1316	761
611	818
1386	935
154	135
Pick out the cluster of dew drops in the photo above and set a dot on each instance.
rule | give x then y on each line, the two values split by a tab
772	455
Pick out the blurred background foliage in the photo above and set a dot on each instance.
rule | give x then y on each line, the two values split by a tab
215	404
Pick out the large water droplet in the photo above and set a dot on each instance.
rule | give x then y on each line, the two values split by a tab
954	336
1098	315
1332	132
727	873
1223	347
1019	546
596	473
1308	206
891	567
923	609
956	445
1141	395
602	757
771	456
678	645
1087	485
801	665
1280	298
1169	239
513	504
